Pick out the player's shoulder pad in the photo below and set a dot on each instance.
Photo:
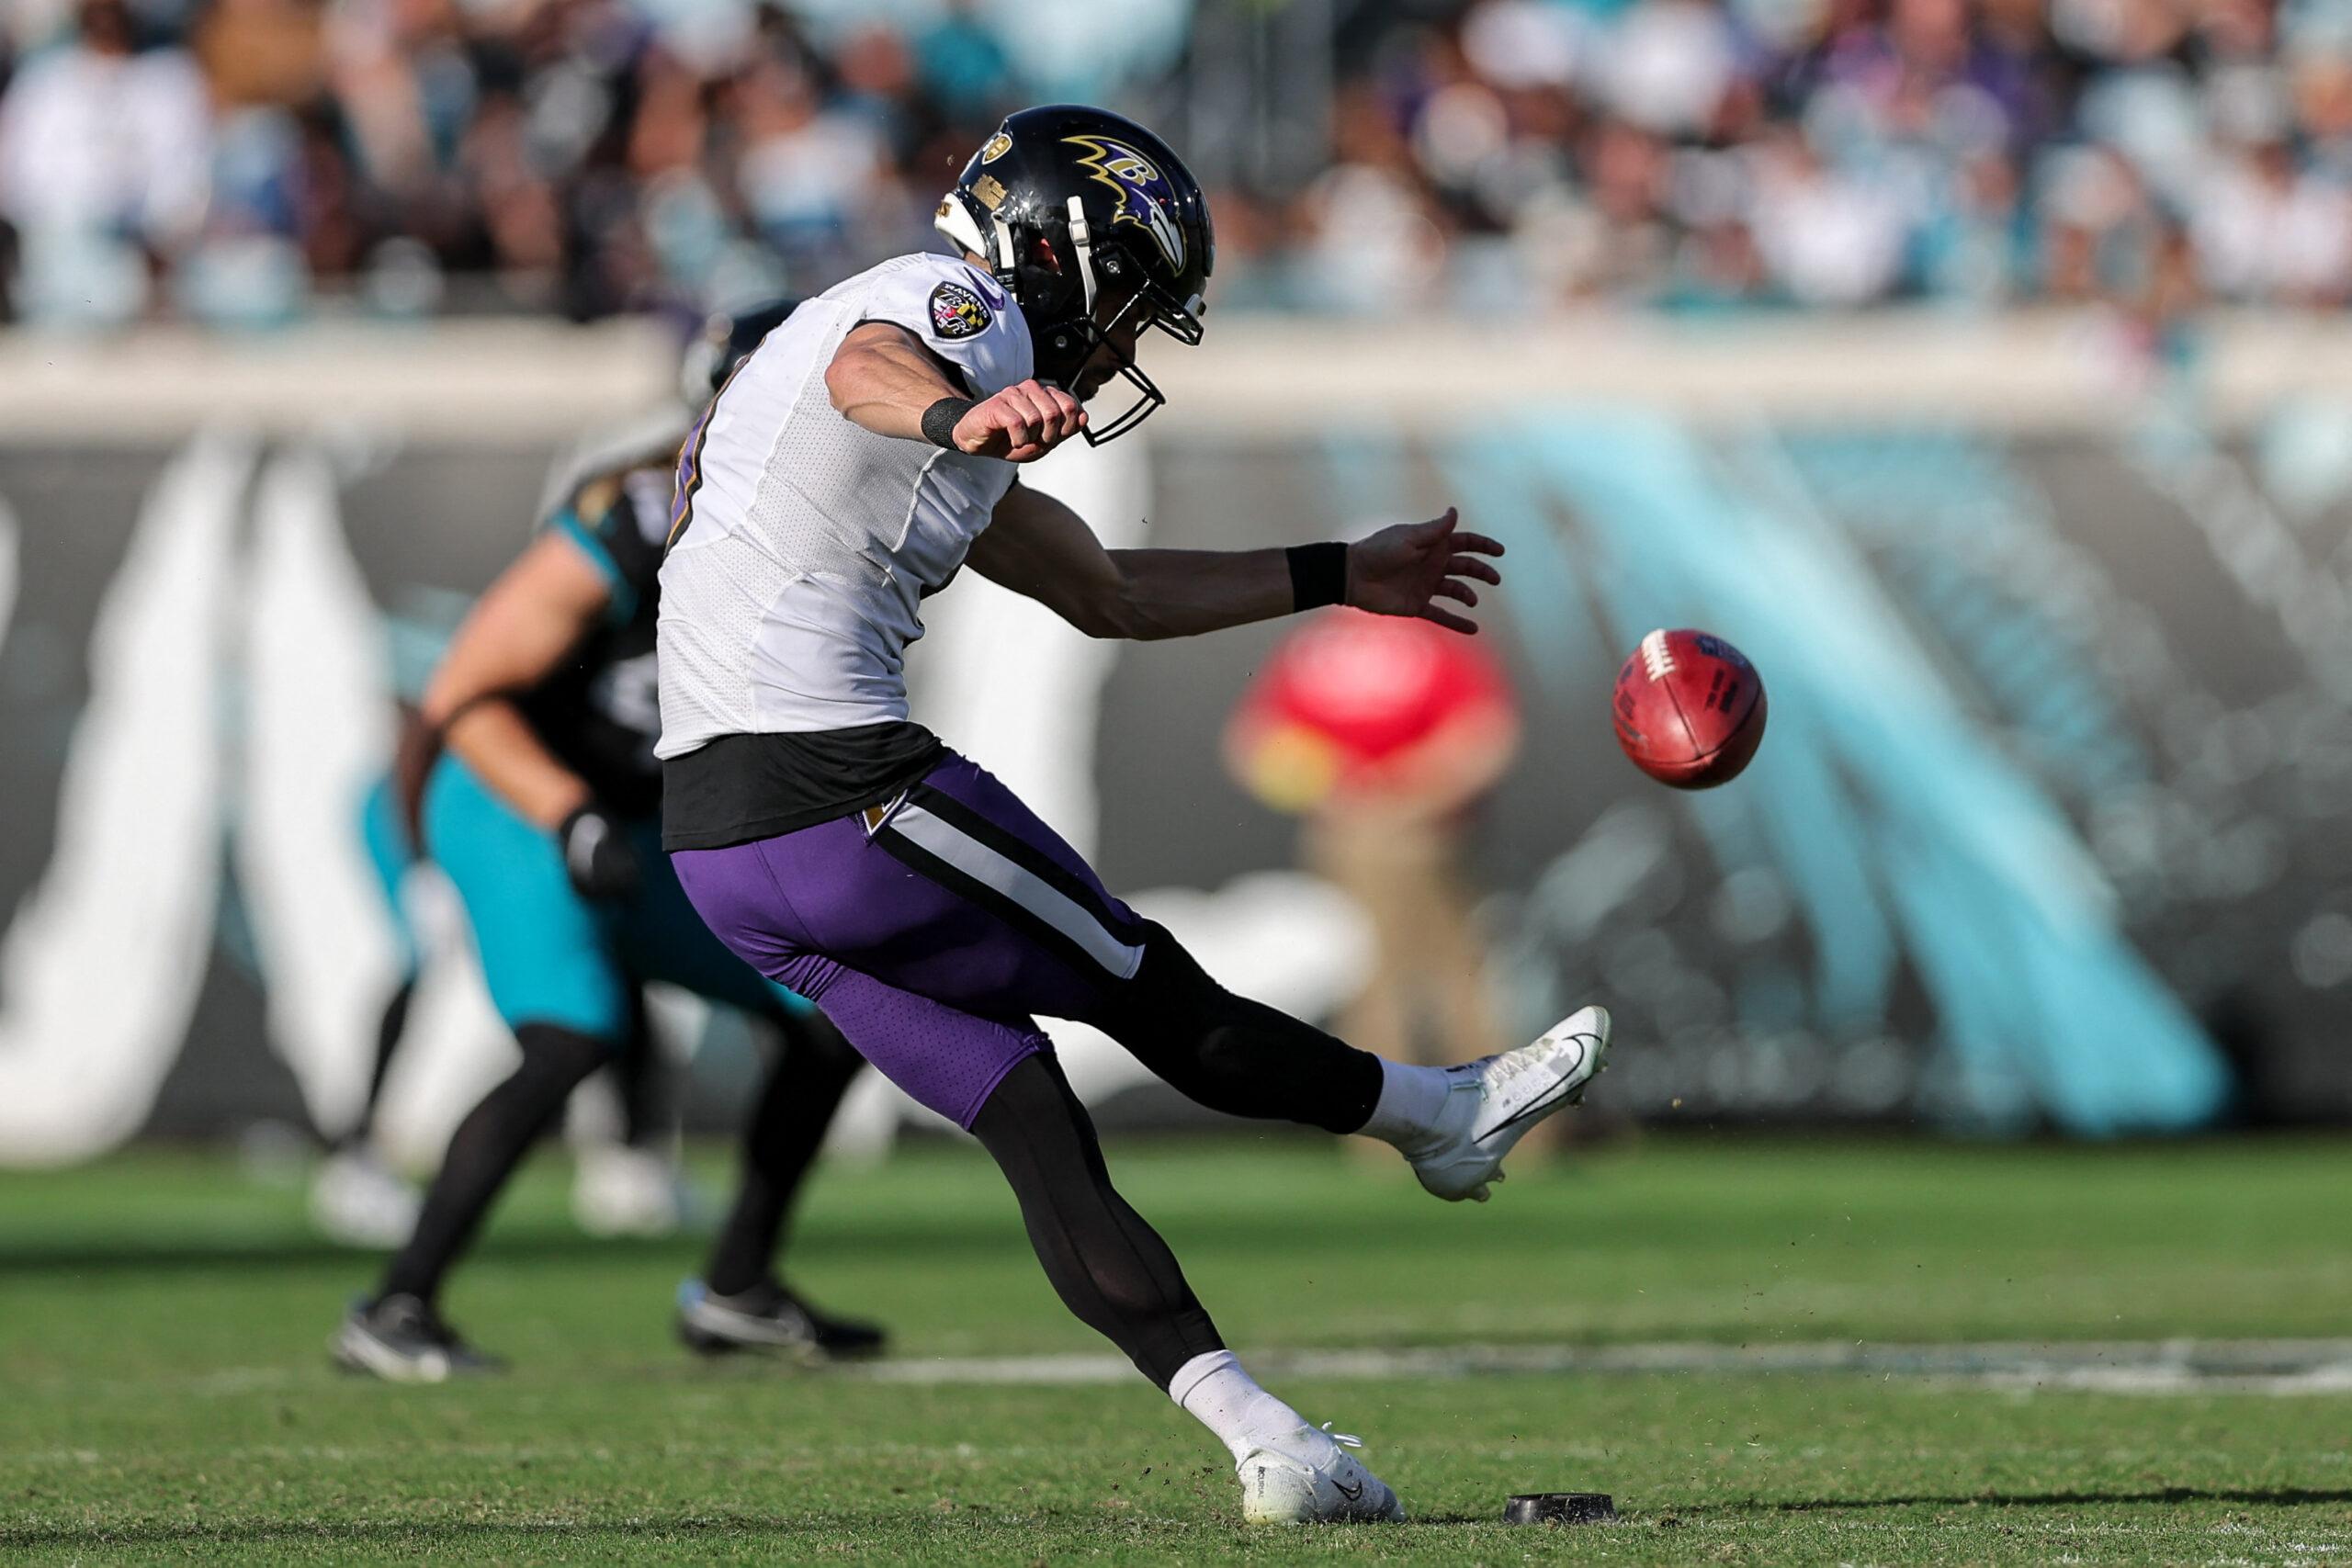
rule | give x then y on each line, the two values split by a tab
958	312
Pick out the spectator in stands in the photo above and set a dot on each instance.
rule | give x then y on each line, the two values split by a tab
1387	734
105	160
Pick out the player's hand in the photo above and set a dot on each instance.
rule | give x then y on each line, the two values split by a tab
597	855
1406	570
1021	424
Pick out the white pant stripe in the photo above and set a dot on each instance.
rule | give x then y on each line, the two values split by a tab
1025	887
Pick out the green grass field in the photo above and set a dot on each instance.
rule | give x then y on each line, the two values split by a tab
165	1393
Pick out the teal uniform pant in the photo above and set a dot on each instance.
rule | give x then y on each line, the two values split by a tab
552	956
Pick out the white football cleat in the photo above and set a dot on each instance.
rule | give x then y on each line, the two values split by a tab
1279	1490
1495	1102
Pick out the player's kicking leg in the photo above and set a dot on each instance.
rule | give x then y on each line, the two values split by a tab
1453	1125
997	876
929	976
1456	1126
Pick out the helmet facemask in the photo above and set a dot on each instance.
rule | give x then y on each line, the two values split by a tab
1101	267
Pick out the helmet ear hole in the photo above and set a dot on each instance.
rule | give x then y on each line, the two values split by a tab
1046	286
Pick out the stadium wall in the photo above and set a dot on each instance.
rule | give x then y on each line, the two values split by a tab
2048	830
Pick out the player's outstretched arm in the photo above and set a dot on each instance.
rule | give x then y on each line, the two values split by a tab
524	626
885	380
1038	547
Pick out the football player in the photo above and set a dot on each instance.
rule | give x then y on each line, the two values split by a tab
543	811
627	1186
864	453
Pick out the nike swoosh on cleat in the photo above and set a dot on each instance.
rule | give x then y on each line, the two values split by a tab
1538	1106
1532	1108
1353	1493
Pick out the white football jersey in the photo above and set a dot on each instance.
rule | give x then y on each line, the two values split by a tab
802	544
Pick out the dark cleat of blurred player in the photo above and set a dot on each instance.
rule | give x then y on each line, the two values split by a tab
543	811
401	1338
767	1317
864	454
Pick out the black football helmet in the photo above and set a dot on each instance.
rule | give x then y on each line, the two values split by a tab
725	342
1070	206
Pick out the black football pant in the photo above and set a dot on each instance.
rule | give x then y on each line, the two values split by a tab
806	1078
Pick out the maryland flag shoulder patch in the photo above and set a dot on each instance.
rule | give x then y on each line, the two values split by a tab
956	312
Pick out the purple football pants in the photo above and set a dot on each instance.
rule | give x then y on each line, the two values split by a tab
928	932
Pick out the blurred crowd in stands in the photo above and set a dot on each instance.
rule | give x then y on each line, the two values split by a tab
1841	153
255	161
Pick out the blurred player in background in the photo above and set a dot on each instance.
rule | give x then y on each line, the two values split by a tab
625	1177
357	1197
543	813
856	462
1386	734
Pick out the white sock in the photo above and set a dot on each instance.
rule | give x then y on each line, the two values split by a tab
1214	1390
1410	1100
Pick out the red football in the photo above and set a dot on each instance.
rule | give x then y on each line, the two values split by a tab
1690	709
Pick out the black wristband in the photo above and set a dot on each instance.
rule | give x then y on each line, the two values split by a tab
1318	575
939	421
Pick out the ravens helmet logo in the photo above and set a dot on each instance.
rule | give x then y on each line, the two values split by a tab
1146	199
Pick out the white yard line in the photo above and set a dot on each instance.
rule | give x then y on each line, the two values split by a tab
2279	1367
2182	1366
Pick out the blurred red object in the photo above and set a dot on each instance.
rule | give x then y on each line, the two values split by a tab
1357	710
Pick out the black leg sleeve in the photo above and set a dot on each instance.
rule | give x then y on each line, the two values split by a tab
1231	1054
646	1083
390	1028
489	1144
807	1074
1107	1265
